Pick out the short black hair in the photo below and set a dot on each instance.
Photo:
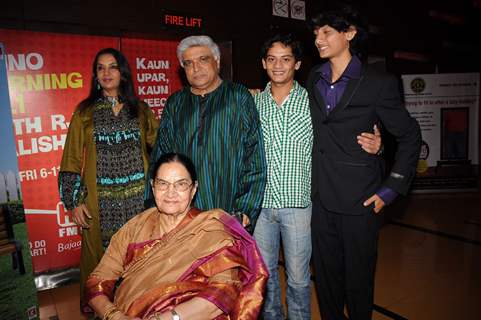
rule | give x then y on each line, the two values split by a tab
288	40
179	158
342	16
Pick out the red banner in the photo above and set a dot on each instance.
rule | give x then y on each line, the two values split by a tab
48	75
155	69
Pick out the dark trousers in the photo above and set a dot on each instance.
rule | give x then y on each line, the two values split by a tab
344	253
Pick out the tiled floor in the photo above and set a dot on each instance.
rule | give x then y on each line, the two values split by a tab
429	264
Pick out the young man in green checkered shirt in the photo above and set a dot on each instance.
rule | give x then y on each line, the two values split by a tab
286	210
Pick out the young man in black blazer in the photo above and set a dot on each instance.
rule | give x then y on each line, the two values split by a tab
349	186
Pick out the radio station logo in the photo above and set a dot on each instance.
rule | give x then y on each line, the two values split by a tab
418	85
66	228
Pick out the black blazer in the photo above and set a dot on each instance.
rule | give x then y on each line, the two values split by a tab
344	175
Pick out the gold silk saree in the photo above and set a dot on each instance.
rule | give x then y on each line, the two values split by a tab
208	255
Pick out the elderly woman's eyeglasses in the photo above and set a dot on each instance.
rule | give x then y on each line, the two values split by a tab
179	186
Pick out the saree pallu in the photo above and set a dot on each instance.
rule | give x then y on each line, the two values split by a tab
208	255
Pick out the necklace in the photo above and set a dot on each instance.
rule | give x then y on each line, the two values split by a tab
112	100
115	103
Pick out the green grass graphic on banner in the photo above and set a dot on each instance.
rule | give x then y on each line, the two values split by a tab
18	294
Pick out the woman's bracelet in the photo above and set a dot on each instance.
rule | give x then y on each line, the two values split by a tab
156	316
110	312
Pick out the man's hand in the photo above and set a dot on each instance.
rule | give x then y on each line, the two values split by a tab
378	203
253	92
371	143
80	216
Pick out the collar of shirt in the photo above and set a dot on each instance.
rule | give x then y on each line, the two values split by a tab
353	70
206	95
332	92
294	91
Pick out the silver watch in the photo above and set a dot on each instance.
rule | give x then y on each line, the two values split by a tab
175	315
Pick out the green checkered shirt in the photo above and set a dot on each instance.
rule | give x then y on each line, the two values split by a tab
287	132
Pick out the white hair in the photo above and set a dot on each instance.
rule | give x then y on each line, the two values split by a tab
194	41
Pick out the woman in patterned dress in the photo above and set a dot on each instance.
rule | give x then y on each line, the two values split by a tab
105	158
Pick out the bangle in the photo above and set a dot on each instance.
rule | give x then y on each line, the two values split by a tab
110	312
112	315
155	316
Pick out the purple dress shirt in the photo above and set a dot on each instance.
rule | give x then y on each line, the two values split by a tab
332	92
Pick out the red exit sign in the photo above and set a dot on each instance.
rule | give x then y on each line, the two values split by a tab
182	21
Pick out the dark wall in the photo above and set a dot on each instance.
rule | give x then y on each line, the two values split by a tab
439	36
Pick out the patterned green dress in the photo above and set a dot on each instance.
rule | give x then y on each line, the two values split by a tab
104	165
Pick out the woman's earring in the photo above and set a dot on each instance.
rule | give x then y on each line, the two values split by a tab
98	84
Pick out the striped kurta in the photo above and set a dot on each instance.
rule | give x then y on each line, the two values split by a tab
222	135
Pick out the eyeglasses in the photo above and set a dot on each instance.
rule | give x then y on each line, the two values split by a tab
202	60
179	186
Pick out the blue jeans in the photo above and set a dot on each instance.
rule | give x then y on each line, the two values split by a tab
294	226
